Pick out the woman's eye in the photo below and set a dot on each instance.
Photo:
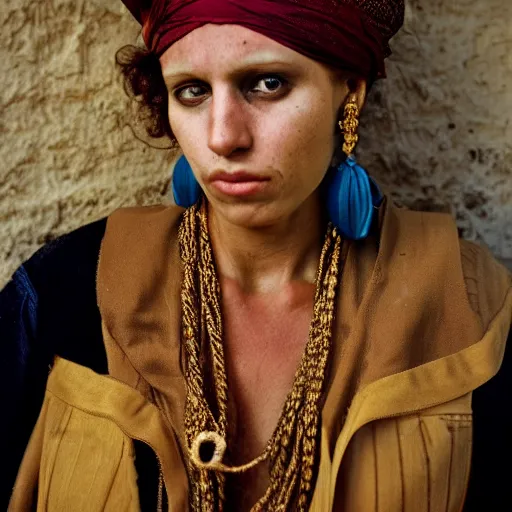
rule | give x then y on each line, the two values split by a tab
190	93
269	85
193	94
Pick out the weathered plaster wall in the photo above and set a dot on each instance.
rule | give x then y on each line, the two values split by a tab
437	133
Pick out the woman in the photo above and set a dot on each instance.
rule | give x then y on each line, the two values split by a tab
291	340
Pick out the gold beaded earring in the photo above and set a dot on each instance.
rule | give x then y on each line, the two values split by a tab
349	125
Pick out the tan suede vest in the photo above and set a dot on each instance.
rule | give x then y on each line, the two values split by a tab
421	322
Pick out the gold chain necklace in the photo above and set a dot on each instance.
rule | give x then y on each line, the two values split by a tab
292	449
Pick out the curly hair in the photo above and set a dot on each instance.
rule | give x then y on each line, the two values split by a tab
144	83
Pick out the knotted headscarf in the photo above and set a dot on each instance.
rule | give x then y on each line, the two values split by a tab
347	34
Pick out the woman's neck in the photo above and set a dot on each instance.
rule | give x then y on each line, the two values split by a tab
265	260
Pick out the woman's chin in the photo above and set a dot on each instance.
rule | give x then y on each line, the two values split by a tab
247	215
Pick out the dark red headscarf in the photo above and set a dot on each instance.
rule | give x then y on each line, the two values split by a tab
346	34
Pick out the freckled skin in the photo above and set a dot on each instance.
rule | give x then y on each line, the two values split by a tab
266	246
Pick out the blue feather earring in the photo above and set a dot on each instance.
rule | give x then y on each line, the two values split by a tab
352	195
185	188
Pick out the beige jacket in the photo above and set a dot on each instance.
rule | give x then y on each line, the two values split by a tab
421	322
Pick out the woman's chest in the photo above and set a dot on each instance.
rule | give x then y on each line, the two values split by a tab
263	348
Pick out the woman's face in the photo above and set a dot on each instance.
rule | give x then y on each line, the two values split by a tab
256	121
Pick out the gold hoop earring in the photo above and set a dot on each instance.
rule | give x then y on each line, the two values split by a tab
349	126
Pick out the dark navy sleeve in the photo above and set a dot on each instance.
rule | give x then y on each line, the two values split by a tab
489	483
18	320
48	308
23	371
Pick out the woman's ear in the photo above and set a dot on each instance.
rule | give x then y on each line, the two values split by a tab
353	88
357	89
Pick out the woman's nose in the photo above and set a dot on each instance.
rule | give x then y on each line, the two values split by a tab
228	126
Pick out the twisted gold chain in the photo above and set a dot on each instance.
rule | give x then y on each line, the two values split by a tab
292	450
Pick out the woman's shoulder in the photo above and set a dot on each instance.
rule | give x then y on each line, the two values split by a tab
488	282
433	238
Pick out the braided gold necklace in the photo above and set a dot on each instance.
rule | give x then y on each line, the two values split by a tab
292	449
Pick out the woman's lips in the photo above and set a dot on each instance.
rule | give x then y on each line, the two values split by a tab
238	184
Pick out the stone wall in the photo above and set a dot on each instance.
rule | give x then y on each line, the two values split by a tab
437	134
